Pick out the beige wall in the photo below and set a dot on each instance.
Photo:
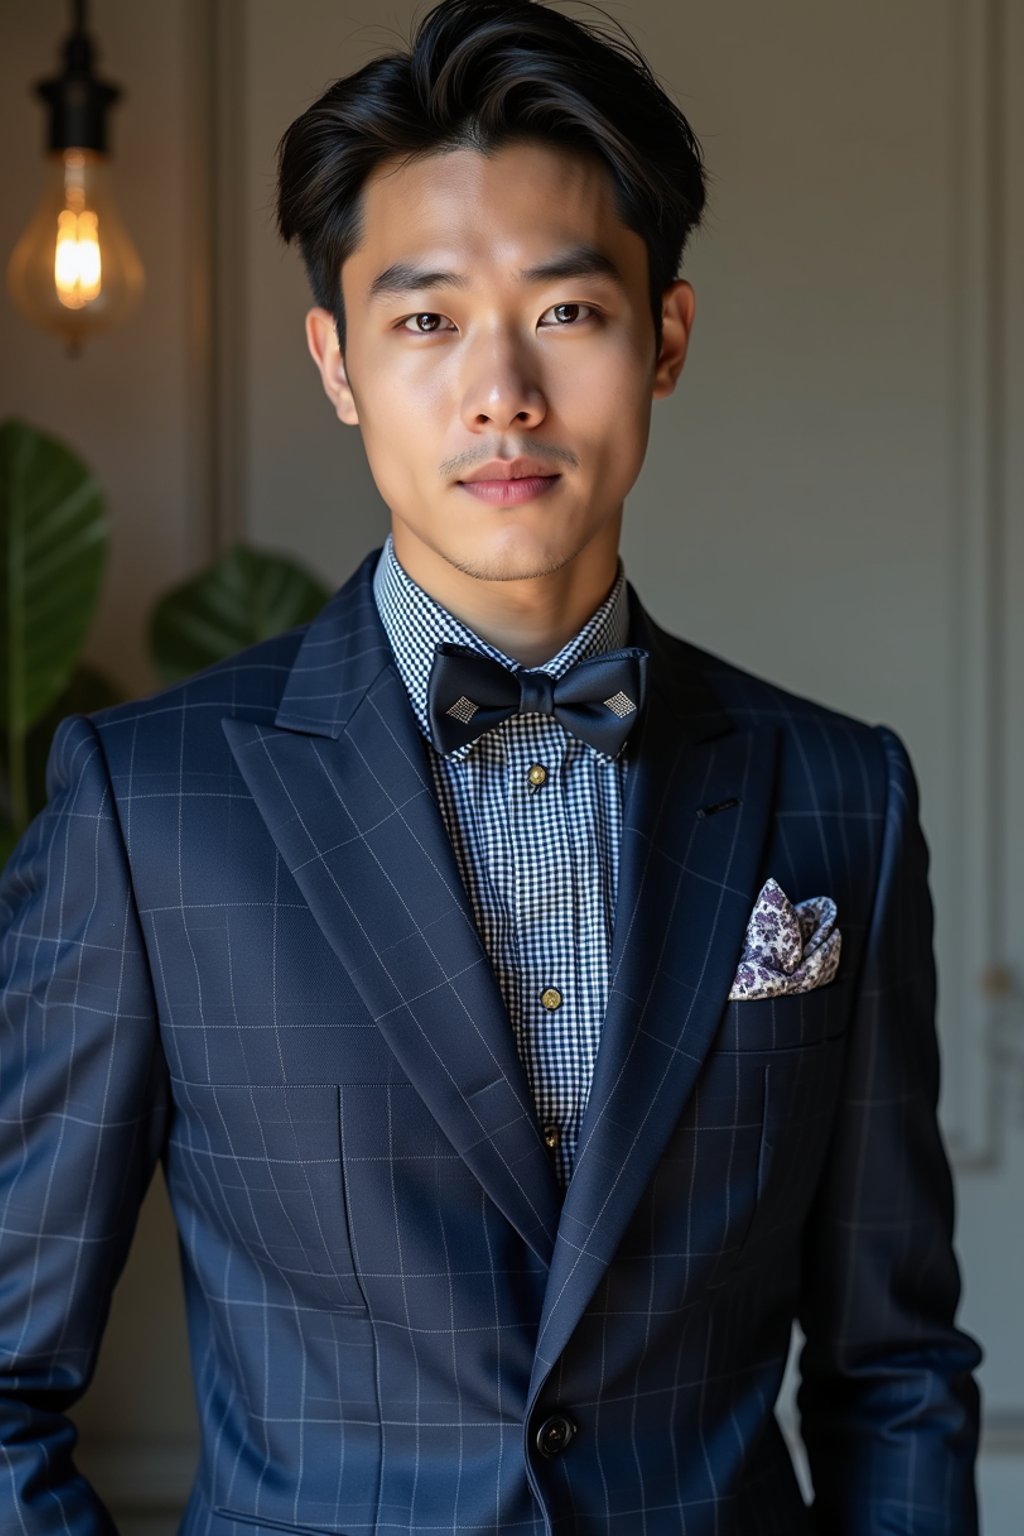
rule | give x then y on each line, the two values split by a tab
125	404
826	498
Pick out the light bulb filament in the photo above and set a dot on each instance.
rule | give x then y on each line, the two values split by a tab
77	267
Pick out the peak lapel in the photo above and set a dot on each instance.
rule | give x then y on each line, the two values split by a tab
686	889
343	783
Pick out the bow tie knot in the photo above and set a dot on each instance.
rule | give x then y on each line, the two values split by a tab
597	700
537	693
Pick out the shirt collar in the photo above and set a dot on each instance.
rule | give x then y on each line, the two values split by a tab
415	623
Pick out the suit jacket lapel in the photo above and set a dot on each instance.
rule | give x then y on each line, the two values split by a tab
342	780
687	882
343	783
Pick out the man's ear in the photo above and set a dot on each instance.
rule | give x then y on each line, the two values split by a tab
677	306
322	340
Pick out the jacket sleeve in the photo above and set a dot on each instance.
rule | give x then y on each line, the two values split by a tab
83	1108
888	1403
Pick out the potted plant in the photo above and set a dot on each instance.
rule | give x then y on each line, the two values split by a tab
54	539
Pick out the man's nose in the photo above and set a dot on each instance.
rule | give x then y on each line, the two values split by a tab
502	387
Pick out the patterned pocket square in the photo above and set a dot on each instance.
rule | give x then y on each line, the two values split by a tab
788	948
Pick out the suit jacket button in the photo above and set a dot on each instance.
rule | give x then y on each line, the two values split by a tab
555	1434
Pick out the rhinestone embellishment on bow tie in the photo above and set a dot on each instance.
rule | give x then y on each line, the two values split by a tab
463	710
620	704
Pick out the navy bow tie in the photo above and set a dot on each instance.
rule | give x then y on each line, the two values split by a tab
597	700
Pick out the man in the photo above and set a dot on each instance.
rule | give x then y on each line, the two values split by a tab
532	1013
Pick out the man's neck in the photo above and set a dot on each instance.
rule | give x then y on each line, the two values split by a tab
528	620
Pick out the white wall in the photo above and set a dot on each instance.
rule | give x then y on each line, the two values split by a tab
826	498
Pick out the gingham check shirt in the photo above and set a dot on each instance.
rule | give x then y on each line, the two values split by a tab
539	862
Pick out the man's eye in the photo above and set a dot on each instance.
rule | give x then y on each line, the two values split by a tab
411	322
568	314
428	322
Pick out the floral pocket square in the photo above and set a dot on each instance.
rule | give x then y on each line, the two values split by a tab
787	948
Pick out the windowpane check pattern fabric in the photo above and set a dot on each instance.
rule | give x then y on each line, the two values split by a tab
539	860
236	942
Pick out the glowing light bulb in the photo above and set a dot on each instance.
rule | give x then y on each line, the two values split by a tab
75	269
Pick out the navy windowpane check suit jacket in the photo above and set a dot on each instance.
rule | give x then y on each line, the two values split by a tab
235	941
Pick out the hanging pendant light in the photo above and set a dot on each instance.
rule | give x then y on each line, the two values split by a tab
75	269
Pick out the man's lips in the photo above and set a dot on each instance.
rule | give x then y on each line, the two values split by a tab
510	492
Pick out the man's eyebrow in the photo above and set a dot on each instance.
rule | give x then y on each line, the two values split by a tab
578	261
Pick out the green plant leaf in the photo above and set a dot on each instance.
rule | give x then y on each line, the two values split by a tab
246	596
53	545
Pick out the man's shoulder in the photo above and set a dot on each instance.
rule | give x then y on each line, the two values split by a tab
821	744
248	683
750	697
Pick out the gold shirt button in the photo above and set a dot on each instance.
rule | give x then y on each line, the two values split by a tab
551	998
552	1136
537	774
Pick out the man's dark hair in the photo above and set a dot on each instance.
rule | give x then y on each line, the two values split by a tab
481	74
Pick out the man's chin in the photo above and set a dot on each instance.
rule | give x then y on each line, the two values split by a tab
511	561
497	549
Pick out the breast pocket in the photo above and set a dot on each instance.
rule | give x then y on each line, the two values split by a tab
787	1022
255	1175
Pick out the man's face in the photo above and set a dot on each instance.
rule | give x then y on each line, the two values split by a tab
499	360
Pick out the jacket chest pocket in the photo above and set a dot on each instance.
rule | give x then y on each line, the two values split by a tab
788	1022
255	1175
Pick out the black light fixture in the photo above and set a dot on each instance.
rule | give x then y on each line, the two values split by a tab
75	269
